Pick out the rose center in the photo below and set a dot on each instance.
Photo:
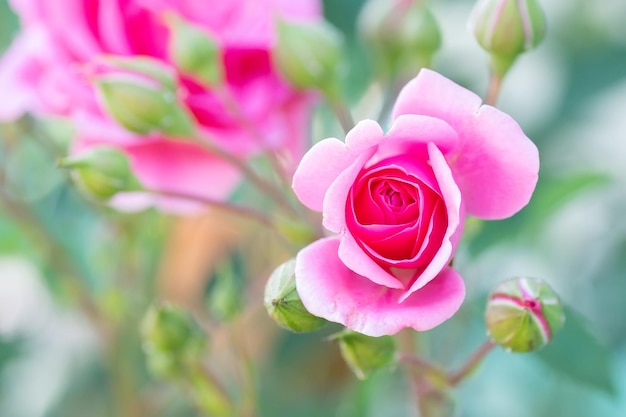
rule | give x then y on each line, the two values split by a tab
393	199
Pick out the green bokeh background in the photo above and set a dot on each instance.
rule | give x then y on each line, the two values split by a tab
569	96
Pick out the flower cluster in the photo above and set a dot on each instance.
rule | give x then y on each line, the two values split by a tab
55	65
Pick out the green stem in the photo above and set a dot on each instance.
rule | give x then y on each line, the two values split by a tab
473	361
209	395
258	181
247	212
234	108
342	112
495	84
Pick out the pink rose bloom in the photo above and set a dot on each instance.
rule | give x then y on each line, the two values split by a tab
398	201
46	71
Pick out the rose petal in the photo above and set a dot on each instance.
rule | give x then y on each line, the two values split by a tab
330	290
19	71
321	165
497	167
432	94
355	258
452	198
181	167
414	128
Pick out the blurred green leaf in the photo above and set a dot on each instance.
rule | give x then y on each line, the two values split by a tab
577	354
551	194
10	349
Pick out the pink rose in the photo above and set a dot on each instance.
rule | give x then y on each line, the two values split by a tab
398	200
47	71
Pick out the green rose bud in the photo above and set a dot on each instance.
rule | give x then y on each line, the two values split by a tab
507	28
365	354
523	314
141	95
308	54
283	302
172	340
102	172
195	52
403	34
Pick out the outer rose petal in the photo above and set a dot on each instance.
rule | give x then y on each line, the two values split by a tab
330	290
18	75
496	165
323	163
432	94
181	167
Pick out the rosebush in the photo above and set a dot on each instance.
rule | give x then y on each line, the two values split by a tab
398	202
47	71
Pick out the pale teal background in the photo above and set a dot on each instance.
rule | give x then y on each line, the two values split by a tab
569	96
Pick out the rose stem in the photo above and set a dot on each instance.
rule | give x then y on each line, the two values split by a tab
252	176
455	378
495	83
341	111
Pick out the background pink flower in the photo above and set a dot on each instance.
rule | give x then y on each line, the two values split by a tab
46	71
398	200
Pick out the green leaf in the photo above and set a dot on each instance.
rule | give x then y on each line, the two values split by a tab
577	354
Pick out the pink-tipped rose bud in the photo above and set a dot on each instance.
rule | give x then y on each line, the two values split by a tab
195	52
523	314
283	302
308	54
141	95
102	172
403	34
507	28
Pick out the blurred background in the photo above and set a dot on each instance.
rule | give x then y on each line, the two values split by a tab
62	258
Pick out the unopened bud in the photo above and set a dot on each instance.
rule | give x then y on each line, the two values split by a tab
308	54
141	95
283	302
102	172
365	354
172	340
507	28
195	52
523	314
403	34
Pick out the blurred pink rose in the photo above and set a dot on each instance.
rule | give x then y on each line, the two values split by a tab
46	71
398	202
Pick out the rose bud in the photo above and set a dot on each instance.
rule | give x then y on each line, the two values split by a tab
283	302
402	34
195	52
365	354
308	54
523	314
142	96
102	172
172	340
506	28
